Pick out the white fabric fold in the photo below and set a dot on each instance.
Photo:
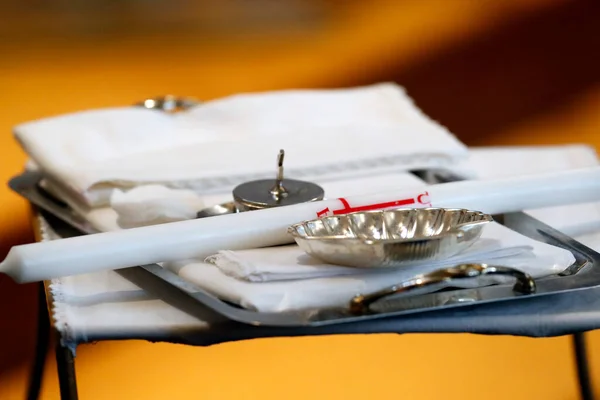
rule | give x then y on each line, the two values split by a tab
102	219
94	304
351	141
536	258
287	265
581	221
293	281
327	134
291	263
154	204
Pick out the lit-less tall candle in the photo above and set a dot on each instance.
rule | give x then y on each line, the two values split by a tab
203	237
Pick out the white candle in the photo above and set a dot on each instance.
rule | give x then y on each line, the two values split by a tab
203	237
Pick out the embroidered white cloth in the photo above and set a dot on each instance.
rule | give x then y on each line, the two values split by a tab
318	291
211	147
285	263
132	166
279	279
147	205
106	304
580	221
152	204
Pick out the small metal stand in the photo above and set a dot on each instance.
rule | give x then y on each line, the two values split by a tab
269	193
253	196
583	373
41	348
67	380
65	362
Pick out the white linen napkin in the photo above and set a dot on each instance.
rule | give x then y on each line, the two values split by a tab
305	279
284	263
154	167
581	221
148	205
153	204
327	134
536	258
279	263
103	303
290	280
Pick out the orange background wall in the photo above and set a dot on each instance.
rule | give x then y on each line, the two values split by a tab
511	72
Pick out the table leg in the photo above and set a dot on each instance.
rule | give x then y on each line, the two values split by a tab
583	374
65	363
41	348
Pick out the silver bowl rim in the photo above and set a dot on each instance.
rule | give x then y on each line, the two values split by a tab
293	229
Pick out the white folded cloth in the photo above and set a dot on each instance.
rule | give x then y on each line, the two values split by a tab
293	281
210	148
106	303
581	221
320	288
125	167
152	204
102	219
284	263
308	283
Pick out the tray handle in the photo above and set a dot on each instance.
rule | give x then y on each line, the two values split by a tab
525	284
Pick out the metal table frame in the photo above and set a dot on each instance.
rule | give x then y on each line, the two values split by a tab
67	379
65	360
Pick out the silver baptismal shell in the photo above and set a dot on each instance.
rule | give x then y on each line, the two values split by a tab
390	238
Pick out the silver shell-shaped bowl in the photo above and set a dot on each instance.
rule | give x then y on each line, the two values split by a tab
390	238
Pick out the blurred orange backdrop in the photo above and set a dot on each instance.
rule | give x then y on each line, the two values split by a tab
510	72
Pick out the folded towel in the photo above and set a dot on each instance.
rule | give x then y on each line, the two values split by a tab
281	263
290	280
152	204
97	305
536	258
157	167
291	263
210	148
581	221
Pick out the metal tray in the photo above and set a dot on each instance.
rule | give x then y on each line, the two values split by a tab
584	273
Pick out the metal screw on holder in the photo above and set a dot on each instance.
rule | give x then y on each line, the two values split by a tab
278	190
265	193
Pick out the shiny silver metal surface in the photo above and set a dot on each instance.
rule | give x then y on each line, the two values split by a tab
267	193
218	209
168	103
278	192
255	195
390	238
525	284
